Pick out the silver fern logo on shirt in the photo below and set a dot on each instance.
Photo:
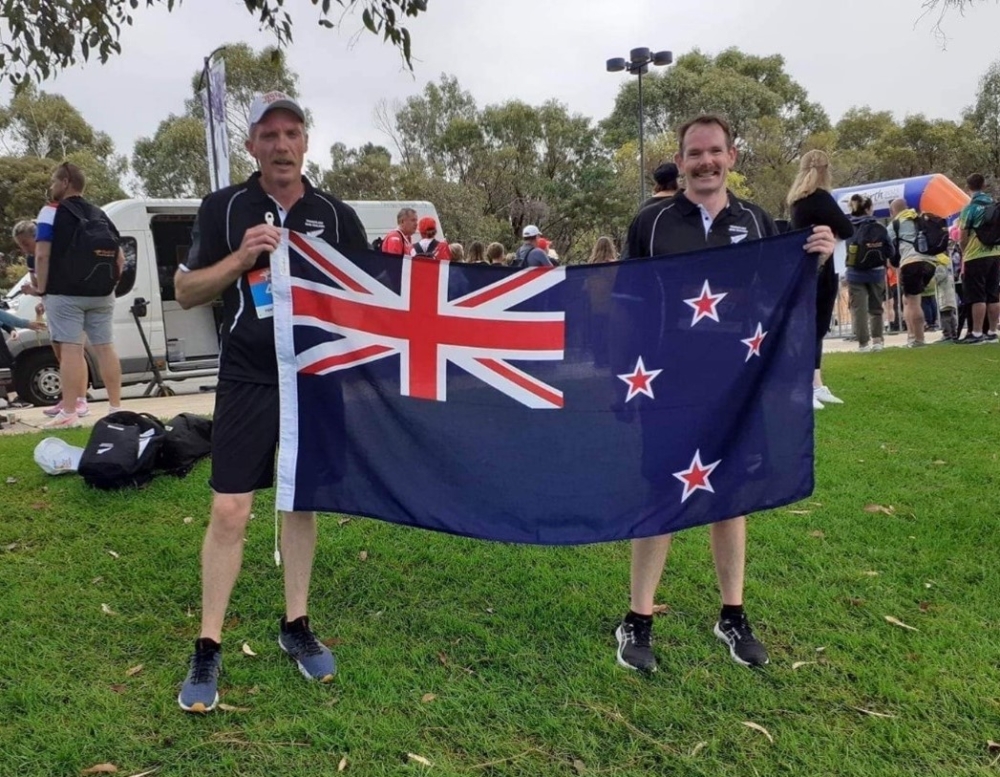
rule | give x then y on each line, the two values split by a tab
314	228
737	234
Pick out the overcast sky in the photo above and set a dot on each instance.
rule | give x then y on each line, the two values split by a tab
851	52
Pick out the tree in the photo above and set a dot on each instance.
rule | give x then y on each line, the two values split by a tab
174	161
45	37
984	119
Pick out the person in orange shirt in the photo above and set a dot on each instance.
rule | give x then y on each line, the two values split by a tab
398	241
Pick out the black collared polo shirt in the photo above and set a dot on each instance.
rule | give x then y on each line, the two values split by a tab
679	225
247	334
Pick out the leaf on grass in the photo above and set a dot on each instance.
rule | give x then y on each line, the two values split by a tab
579	766
133	671
871	573
418	759
938	462
428	697
800	512
113	554
247	650
898	622
363	555
874	714
342	765
760	728
146	773
11	546
820	649
928	584
489	610
925	607
97	580
817	534
443	658
341	522
799	664
118	688
333	642
698	748
101	769
107	610
11	481
992	746
231	708
856	602
815	504
39	505
661	609
189	519
873	508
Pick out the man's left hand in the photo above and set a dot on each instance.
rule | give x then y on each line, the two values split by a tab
821	242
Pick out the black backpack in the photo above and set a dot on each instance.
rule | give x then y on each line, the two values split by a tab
90	268
989	231
377	244
932	234
426	252
187	441
870	247
122	451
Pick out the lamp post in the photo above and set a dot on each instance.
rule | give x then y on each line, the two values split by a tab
637	64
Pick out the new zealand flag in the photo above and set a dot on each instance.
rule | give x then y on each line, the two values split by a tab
545	405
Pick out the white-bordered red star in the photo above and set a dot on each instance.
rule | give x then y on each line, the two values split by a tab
696	477
753	343
640	381
705	304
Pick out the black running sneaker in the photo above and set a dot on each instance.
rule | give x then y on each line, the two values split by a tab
743	645
635	645
200	692
314	659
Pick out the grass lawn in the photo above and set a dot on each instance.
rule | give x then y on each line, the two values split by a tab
515	643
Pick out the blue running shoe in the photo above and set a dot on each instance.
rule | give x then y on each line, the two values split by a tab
315	660
200	692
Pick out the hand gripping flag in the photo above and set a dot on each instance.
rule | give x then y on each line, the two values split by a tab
556	405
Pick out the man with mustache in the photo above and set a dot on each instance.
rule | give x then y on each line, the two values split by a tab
705	214
237	229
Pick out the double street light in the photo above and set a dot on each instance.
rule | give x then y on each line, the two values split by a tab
637	64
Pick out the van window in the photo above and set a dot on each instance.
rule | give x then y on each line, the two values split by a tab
171	241
130	248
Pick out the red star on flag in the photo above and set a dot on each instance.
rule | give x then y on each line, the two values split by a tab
753	343
705	304
639	381
695	478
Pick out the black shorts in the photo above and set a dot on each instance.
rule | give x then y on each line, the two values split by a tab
244	437
915	276
982	280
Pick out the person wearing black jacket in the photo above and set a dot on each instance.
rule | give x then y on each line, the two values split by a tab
236	231
706	214
812	205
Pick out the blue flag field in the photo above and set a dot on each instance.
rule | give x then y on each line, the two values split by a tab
561	405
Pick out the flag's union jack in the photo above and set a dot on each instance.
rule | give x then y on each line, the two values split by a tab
477	332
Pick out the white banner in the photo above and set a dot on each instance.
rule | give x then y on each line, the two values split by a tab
213	100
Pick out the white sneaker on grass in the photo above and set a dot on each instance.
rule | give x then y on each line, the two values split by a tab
817	405
824	395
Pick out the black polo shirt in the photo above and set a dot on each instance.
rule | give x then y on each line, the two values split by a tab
679	225
247	334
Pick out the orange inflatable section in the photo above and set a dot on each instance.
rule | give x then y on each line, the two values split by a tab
942	197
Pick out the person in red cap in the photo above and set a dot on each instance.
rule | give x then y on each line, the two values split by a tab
428	245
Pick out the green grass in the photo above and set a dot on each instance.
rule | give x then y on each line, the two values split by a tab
515	642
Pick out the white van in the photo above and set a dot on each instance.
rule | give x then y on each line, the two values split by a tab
156	236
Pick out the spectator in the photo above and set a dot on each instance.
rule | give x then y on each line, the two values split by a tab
24	237
664	184
964	308
398	242
457	252
867	254
71	314
428	245
477	253
495	253
529	254
916	270
947	299
981	285
812	205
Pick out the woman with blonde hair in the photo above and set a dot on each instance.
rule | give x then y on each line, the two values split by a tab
812	205
603	251
477	253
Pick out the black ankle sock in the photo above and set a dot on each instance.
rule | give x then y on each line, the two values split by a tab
204	644
731	611
634	617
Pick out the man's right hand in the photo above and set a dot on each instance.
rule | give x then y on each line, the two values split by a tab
262	239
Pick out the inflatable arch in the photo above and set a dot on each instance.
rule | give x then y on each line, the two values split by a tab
935	194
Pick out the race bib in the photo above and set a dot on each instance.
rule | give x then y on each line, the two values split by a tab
260	291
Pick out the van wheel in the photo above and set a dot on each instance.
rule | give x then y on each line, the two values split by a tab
36	377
